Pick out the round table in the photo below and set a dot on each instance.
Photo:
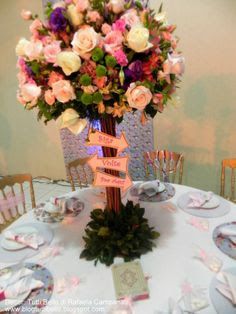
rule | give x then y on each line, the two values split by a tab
168	265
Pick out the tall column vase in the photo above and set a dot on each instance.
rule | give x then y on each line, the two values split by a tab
113	195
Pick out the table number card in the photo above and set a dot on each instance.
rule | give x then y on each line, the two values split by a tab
129	281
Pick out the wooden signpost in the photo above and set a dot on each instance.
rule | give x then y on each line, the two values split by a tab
118	163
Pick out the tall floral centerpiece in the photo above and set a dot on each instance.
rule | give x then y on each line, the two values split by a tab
98	59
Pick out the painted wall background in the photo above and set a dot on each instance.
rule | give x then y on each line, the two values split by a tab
202	125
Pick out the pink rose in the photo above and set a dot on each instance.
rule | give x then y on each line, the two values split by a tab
131	17
34	50
29	93
106	28
35	26
49	97
63	91
26	15
54	77
84	41
82	5
93	16
138	97
113	41
51	51
157	98
121	57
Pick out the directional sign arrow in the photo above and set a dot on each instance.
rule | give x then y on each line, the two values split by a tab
103	139
113	163
106	180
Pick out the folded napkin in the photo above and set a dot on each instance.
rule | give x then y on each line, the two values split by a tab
13	276
32	240
52	208
64	204
150	188
228	230
199	199
19	287
226	285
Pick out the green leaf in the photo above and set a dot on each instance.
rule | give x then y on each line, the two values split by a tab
103	232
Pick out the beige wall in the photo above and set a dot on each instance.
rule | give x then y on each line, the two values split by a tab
202	126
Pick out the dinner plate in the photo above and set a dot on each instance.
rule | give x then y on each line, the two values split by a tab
10	303
13	245
221	304
226	243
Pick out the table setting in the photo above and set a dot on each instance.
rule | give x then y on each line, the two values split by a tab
40	245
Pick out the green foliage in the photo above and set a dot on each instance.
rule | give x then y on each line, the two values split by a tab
86	99
97	5
48	9
97	98
97	54
85	80
101	70
110	61
124	234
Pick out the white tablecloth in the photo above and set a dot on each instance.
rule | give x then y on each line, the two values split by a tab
168	265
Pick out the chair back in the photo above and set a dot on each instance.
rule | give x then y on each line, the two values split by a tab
72	166
229	164
166	165
13	200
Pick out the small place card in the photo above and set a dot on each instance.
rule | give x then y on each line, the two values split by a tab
129	281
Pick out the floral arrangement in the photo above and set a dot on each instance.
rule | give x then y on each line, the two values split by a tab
93	58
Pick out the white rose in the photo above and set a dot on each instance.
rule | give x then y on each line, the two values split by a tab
70	119
75	17
69	62
60	4
85	40
117	6
138	37
21	46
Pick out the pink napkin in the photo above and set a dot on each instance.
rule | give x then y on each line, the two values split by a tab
199	199
32	240
21	286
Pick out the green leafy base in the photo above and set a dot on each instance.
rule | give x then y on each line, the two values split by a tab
125	234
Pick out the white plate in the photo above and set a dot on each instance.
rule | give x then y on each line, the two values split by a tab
13	245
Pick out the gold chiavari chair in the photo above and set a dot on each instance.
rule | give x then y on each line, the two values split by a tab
80	162
13	202
166	165
229	164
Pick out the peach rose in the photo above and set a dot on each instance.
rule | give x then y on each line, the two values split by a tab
93	16
26	15
84	41
54	77
82	5
35	26
63	91
69	62
138	97
49	97
30	93
117	6
106	28
51	51
113	41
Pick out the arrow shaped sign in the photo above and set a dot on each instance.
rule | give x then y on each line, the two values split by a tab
103	139
113	163
103	179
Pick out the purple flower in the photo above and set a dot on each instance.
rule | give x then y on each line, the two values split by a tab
134	71
57	20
